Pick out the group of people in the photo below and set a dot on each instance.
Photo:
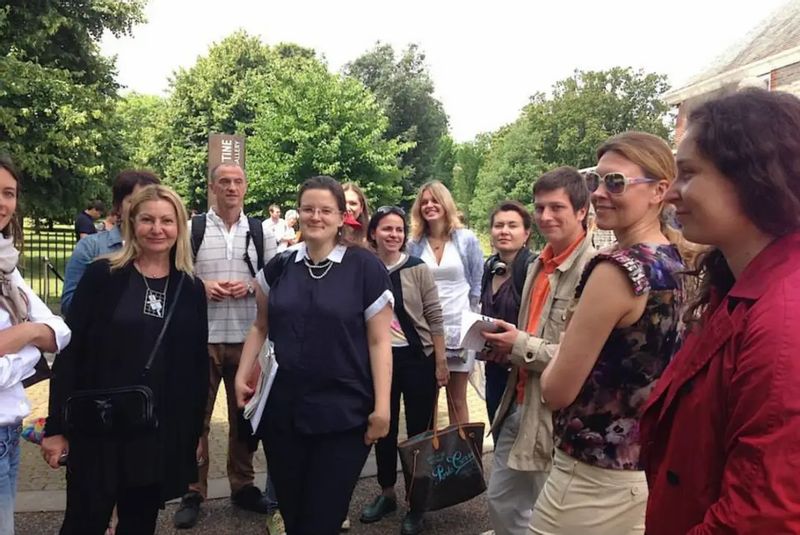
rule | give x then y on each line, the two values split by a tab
649	385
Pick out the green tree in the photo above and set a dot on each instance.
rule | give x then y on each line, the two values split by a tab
469	159
566	128
507	172
57	97
588	107
404	89
299	120
220	93
312	122
445	161
141	123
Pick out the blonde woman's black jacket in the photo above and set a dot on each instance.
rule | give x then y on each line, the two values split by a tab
101	355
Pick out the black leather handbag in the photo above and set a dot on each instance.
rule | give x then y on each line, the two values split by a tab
121	411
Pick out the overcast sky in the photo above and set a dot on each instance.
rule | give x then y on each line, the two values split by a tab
486	58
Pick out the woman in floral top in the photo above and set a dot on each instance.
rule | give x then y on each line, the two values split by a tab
618	342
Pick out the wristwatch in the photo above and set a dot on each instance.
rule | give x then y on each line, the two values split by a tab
250	289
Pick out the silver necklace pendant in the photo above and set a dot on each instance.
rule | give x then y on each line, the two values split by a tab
154	303
325	266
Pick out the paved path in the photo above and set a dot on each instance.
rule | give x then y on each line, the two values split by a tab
41	497
221	518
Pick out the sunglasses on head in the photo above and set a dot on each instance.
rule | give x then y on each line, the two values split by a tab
615	182
383	210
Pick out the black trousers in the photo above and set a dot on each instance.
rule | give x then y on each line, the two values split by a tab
89	510
496	379
314	475
413	376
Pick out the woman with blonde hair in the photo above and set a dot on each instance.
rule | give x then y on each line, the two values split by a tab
616	345
138	320
454	255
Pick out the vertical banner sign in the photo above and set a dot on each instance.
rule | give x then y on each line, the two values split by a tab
224	148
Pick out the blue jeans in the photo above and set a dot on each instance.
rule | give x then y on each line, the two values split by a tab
9	467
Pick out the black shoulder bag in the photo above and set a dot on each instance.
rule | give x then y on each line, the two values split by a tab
121	411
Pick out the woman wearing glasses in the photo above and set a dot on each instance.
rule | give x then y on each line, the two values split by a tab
454	255
327	307
419	365
618	342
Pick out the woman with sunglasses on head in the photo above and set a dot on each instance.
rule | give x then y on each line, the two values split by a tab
454	255
721	430
27	327
327	306
616	345
419	365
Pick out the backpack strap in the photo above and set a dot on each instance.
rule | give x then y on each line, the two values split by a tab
198	232
257	233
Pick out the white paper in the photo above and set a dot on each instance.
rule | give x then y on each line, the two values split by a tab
472	325
254	408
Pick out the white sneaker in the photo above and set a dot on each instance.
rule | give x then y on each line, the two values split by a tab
345	525
490	532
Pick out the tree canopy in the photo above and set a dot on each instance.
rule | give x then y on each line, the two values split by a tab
299	118
405	89
565	128
58	96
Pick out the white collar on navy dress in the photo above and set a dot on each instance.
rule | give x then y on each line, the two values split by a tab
336	254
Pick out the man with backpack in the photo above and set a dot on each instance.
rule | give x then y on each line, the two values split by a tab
229	249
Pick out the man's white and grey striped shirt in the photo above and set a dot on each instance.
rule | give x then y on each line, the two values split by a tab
221	257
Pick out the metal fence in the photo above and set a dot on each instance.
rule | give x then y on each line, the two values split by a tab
44	259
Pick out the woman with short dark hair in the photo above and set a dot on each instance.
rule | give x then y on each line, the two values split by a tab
501	287
721	430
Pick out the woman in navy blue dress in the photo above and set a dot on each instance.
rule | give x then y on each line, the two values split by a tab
328	308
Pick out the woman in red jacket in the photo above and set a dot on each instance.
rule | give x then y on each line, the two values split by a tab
721	430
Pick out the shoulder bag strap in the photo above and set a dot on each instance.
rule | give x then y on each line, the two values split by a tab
164	327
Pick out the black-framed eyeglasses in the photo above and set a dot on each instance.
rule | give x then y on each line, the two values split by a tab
616	183
383	210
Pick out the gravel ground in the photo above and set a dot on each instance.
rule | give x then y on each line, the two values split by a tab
222	518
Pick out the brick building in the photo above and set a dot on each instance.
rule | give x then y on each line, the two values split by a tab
768	57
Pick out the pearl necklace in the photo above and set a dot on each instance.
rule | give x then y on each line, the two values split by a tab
326	266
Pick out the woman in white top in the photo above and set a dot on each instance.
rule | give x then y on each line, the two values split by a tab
456	260
27	327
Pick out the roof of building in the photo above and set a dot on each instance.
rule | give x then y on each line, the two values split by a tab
775	37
